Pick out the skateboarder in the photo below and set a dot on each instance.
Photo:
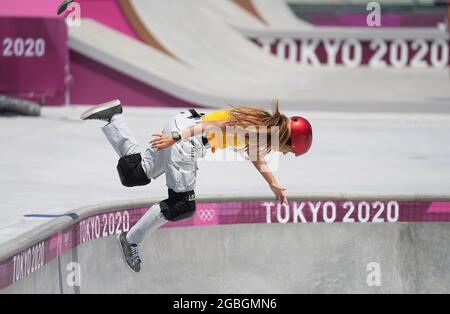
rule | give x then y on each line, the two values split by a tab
184	139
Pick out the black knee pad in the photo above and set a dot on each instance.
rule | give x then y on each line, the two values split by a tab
179	205
131	172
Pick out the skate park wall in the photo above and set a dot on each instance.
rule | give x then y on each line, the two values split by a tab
32	46
294	40
94	82
390	45
389	20
90	81
381	48
249	244
353	14
40	8
107	12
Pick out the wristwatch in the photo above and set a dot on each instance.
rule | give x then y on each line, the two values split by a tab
176	136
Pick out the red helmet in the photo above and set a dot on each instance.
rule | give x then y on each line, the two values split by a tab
301	135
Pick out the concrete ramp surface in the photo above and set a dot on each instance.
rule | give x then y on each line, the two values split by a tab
234	79
195	32
242	246
318	258
237	15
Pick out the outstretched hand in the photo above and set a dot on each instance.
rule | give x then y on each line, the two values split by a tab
279	193
161	141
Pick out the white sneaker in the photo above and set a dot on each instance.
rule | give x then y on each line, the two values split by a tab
103	111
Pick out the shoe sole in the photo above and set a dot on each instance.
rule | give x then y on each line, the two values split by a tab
123	255
63	6
98	108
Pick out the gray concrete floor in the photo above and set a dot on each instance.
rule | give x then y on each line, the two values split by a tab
56	162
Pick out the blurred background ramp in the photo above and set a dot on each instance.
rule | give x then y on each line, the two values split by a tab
189	77
196	32
229	67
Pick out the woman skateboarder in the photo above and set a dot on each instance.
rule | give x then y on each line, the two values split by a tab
175	151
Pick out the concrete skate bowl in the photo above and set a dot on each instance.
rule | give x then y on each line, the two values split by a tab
367	244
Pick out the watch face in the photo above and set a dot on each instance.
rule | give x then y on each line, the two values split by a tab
176	135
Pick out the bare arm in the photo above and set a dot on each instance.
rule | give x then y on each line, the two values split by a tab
162	141
199	128
263	169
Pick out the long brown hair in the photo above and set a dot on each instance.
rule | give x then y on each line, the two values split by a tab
245	117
